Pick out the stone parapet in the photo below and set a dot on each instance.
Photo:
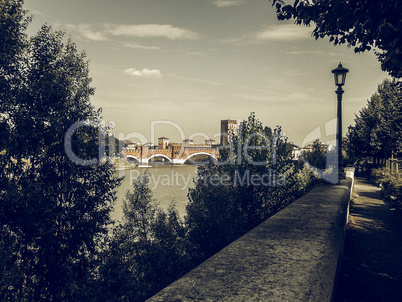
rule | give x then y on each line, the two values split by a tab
293	256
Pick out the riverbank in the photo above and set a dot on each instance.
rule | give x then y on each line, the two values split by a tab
122	164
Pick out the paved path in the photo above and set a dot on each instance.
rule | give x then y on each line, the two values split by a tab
372	264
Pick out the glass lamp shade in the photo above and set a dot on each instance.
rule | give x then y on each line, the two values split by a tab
340	75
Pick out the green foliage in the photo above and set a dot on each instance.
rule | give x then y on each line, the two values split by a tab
113	146
13	24
317	157
360	24
12	43
253	179
313	168
304	179
53	212
390	184
11	278
378	127
147	252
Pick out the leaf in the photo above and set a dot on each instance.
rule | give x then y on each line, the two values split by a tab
369	22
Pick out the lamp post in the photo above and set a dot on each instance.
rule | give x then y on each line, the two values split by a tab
350	145
340	76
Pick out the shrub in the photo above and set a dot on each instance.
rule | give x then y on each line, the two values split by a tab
390	184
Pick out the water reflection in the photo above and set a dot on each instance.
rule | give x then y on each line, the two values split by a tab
168	183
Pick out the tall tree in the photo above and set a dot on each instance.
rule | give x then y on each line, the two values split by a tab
317	157
13	24
54	210
378	126
147	252
362	24
252	180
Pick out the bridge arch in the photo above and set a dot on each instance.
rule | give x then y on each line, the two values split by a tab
201	153
133	157
161	155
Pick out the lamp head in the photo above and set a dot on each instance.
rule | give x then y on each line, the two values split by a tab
340	75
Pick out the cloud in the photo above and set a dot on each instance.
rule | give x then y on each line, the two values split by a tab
139	46
102	32
276	33
153	31
145	73
312	52
285	32
88	32
227	3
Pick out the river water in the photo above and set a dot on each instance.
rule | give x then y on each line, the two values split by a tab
168	184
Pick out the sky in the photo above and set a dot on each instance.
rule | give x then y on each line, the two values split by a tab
176	68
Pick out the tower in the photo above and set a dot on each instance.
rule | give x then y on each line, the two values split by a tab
228	127
163	143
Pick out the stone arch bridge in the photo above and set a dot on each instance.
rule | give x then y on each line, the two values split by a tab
173	154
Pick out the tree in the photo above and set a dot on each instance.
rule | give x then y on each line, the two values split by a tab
317	157
54	212
378	127
113	146
362	24
148	250
253	179
13	24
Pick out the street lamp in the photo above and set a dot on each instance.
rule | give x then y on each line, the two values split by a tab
340	76
350	128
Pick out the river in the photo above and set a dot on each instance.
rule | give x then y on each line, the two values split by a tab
168	183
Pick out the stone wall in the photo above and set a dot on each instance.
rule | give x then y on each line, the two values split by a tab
293	256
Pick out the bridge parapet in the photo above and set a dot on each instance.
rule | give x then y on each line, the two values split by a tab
175	154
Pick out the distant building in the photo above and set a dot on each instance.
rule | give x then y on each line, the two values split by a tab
298	152
209	142
127	142
148	145
228	127
163	143
188	142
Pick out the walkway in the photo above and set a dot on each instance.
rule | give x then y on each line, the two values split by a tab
372	264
